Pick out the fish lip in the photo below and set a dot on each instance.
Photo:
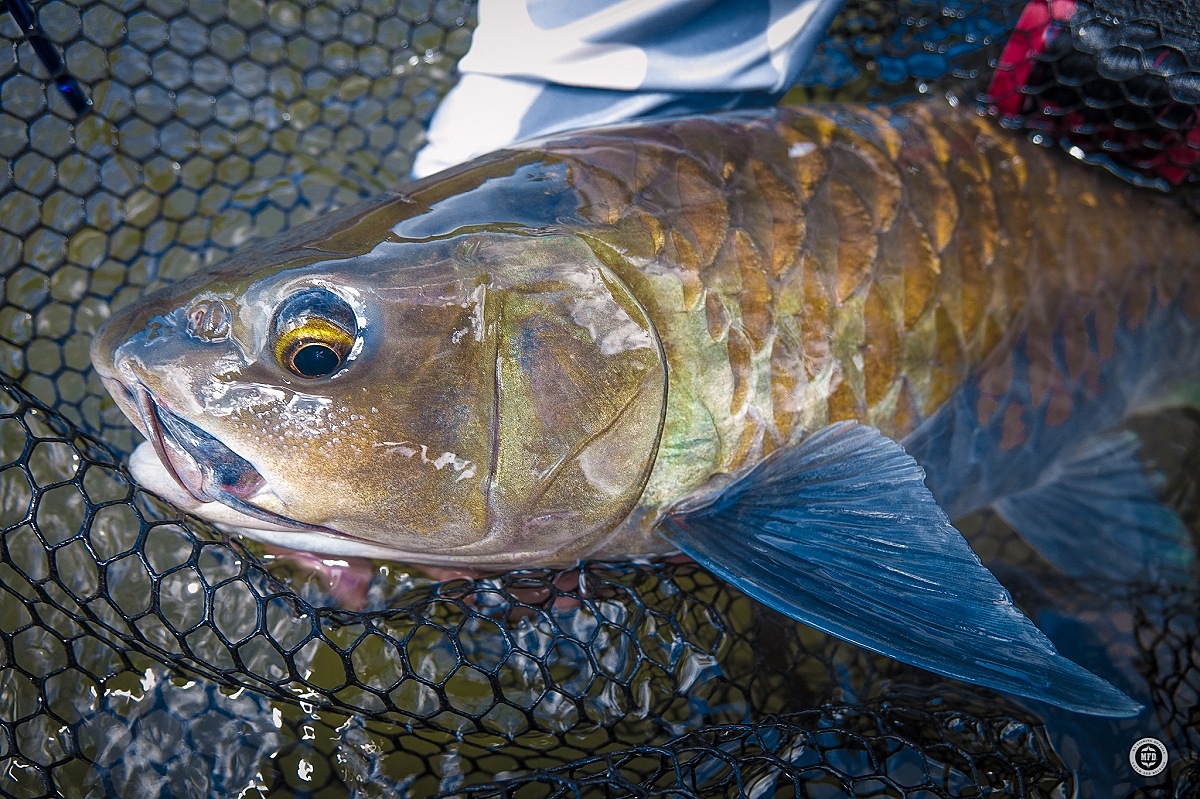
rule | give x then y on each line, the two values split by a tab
172	437
149	410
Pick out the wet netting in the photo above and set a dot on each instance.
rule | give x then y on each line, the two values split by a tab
147	655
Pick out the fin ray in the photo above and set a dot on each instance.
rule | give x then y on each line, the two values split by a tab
1128	533
840	532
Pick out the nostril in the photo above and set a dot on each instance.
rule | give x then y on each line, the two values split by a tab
208	320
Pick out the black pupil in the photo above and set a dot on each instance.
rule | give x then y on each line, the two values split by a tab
316	360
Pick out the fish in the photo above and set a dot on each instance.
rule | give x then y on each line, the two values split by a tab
792	344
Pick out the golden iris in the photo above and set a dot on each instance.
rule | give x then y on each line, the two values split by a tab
316	348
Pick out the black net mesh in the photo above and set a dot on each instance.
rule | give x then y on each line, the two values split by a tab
146	655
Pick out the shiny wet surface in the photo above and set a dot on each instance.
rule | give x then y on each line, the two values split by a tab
143	655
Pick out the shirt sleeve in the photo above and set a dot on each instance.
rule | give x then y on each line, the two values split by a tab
537	67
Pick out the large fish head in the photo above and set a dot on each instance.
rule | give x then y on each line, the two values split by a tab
489	399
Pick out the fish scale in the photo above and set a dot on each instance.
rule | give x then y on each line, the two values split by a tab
818	264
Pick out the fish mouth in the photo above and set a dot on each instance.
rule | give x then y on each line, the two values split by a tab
205	468
201	464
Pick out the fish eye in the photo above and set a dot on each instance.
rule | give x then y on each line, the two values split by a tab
312	333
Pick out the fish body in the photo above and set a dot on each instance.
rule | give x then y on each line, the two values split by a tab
646	338
842	263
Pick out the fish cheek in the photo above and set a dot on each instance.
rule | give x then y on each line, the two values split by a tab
426	396
357	468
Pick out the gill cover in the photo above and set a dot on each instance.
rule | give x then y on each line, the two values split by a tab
580	394
526	357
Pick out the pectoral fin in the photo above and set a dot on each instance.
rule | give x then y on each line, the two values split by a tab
840	532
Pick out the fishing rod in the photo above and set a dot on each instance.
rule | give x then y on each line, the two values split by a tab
26	18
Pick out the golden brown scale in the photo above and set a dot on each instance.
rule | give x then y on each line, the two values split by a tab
846	263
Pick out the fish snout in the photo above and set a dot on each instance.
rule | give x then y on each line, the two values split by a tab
172	350
134	328
162	329
186	337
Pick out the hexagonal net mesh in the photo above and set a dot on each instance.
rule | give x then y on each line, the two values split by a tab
146	654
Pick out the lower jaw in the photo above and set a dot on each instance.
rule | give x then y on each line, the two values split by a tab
178	465
327	543
199	477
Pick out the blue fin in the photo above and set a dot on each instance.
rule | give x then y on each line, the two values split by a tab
1094	513
840	532
1076	493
